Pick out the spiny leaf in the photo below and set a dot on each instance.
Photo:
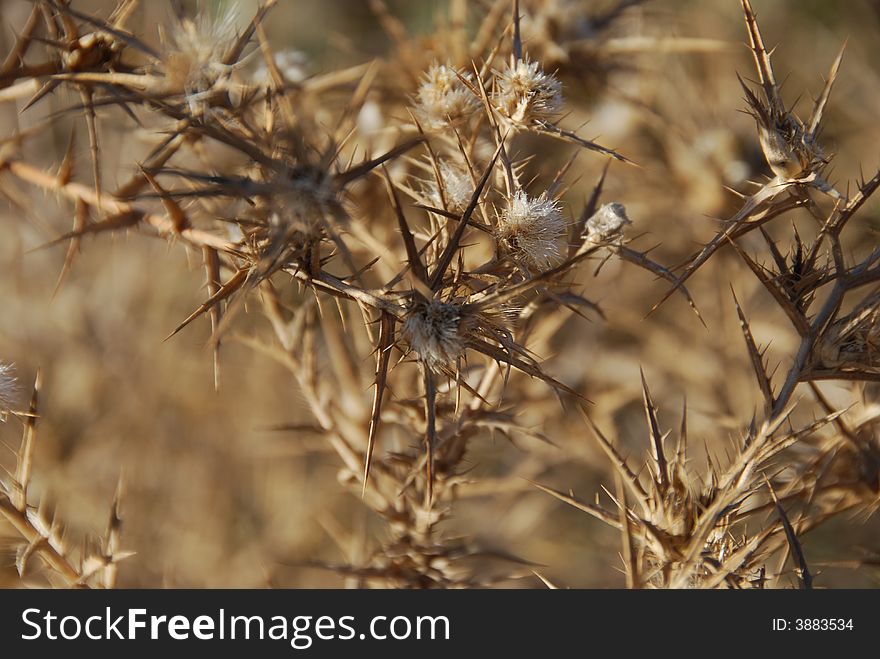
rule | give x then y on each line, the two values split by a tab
25	461
500	355
794	544
546	128
213	284
596	511
656	435
412	253
344	178
756	357
822	101
452	247
430	433
631	480
762	62
383	358
231	286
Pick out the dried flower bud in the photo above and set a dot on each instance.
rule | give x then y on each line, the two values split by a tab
524	93
607	223
788	148
531	229
8	389
443	98
433	330
778	152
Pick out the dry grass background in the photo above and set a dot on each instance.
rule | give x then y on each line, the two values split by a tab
214	497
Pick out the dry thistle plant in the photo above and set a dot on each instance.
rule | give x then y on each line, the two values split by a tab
392	214
680	533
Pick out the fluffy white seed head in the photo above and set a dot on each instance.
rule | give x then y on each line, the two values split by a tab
525	93
531	229
432	330
458	187
607	223
195	49
443	98
8	389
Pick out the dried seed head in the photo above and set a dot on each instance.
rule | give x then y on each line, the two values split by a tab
305	201
433	330
443	98
8	389
607	223
457	185
524	93
195	50
531	229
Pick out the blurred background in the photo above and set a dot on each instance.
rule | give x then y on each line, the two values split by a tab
214	497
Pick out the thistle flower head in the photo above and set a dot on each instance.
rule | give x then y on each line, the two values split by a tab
195	50
8	389
524	93
433	330
457	185
443	98
531	229
303	200
607	223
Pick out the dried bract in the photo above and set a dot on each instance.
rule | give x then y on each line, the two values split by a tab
853	342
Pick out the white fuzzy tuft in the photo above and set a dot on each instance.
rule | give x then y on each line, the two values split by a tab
443	98
432	331
195	51
524	93
531	229
458	188
606	223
